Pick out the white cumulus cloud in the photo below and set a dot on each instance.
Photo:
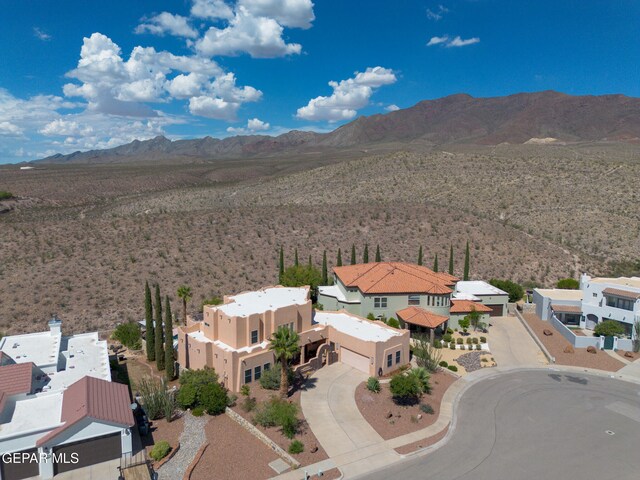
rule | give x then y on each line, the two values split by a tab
348	96
41	34
437	13
211	9
288	13
253	125
447	41
392	108
167	23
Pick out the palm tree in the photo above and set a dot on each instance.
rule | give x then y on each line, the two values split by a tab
185	294
284	343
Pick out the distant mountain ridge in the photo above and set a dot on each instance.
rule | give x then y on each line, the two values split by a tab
458	118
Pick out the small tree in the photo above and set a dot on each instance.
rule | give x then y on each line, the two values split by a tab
451	260
284	343
148	320
169	360
353	254
339	260
474	319
302	275
281	265
435	263
295	258
325	271
568	284
464	324
425	354
465	275
128	333
185	294
365	255
378	256
159	331
420	255
514	290
636	341
609	328
201	388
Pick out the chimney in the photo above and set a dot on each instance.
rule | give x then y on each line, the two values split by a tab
55	325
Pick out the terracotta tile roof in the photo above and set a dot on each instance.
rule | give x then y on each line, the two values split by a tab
421	317
16	378
93	398
395	277
566	308
467	306
621	293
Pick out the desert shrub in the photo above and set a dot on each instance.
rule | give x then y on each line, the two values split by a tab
450	331
248	404
444	364
484	360
5	195
160	450
213	397
426	408
200	388
392	322
156	399
280	413
425	354
514	290
459	341
414	419
270	379
452	345
197	412
373	385
464	324
608	328
453	368
447	338
478	347
296	447
128	334
469	341
483	339
568	284
437	345
371	316
405	389
422	376
475	340
300	275
211	301
245	390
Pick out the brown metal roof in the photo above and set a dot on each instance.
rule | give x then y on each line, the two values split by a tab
93	398
421	317
566	308
621	293
16	378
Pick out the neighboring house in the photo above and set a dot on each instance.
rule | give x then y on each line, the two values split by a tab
58	404
484	293
233	338
598	299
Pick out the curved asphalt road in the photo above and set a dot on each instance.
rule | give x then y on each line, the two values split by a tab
536	425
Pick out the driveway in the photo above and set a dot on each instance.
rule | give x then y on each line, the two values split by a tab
633	369
511	344
330	409
531	425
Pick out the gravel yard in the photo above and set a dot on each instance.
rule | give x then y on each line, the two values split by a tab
192	438
556	344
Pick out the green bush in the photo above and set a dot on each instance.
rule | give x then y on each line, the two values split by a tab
211	301
426	408
213	397
444	364
452	345
5	195
270	379
160	450
459	341
156	399
405	389
296	447
197	412
422	376
464	324
568	284
478	347
469	341
245	390
514	290
278	413
200	388
373	385
608	328
475	340
248	404
453	368
392	322
371	316
483	339
437	344
128	334
447	338
450	331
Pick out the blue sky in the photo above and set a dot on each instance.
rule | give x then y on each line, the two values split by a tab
76	75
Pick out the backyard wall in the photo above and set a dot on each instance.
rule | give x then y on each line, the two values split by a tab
575	340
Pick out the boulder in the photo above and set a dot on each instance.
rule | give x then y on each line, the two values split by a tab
419	416
547	332
314	449
628	354
568	349
591	349
389	414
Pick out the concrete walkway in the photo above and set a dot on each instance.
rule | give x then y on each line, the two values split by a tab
511	345
631	370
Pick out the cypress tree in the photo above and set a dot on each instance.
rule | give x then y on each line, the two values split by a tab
435	263
451	260
365	255
310	264
169	360
281	266
295	260
339	262
159	344
325	273
378	256
353	254
420	255
150	334
466	263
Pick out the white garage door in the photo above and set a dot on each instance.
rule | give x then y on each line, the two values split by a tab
354	359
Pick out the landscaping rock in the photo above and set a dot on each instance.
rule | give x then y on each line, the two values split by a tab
389	414
470	361
569	349
419	416
628	354
314	449
547	332
591	349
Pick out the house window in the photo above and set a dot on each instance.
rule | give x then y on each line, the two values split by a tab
379	302
389	360
254	337
247	376
414	299
206	324
595	295
398	356
267	366
257	372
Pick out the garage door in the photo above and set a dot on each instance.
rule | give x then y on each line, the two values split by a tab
496	310
87	452
20	470
354	359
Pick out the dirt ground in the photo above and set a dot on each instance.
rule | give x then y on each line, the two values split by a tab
163	430
636	355
233	453
556	344
375	408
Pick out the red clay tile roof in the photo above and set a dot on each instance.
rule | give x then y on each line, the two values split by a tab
467	306
421	317
395	277
621	293
16	378
566	308
93	398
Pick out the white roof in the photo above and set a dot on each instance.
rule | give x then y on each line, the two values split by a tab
560	294
260	301
36	412
367	330
633	282
465	296
478	287
40	348
85	355
201	337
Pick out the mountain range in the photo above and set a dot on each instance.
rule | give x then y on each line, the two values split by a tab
540	117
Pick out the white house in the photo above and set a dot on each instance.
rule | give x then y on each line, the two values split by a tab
59	410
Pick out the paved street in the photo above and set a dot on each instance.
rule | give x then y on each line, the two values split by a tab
511	345
535	425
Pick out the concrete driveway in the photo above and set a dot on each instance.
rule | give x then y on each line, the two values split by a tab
330	409
511	344
633	369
